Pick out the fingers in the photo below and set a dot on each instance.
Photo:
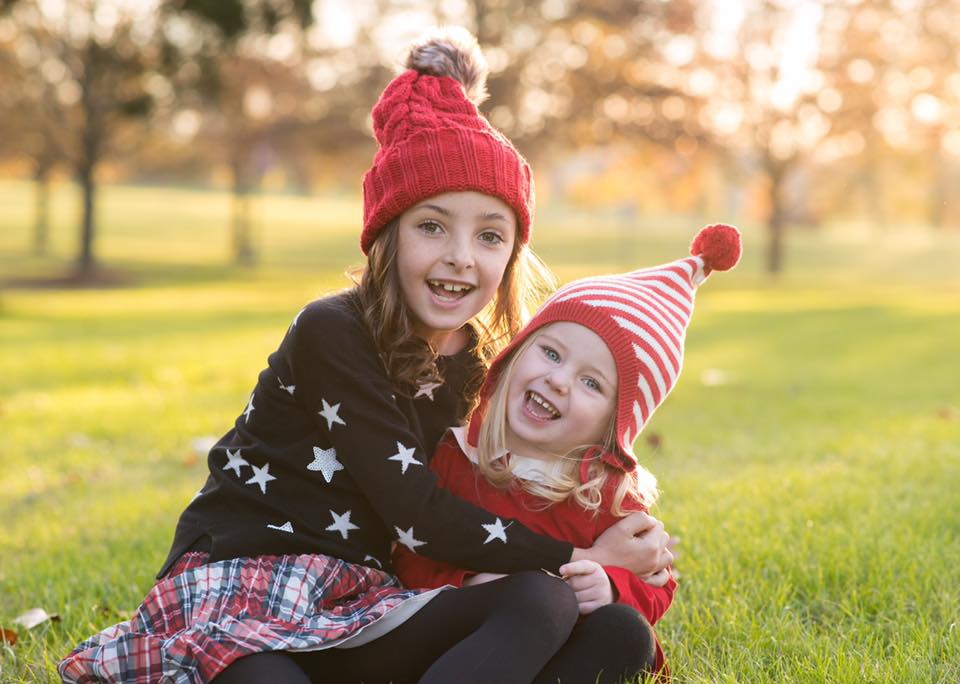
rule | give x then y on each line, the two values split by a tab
636	523
586	582
590	585
658	579
590	606
590	599
580	567
666	560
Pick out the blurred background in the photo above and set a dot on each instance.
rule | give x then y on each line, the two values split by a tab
178	177
786	116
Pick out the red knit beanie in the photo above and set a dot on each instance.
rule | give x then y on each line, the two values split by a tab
642	317
433	140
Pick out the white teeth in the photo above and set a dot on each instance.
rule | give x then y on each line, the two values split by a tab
449	287
545	404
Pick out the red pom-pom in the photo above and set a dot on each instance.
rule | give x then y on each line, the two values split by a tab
719	245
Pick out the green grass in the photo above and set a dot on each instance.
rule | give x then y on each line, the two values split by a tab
815	490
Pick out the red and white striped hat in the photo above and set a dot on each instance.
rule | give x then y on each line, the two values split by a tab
643	317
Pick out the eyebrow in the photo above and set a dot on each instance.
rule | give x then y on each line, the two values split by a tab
493	216
443	211
433	207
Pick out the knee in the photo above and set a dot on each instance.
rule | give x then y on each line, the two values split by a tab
545	601
627	634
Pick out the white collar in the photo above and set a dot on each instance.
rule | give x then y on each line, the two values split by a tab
523	467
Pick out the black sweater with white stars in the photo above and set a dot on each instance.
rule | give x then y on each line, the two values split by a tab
326	458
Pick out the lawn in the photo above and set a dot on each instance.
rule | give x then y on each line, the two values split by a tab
809	458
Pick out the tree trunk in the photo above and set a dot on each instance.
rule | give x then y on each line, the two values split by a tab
939	191
243	250
41	209
86	262
775	221
872	186
91	147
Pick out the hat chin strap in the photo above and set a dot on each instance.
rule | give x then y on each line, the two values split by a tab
590	455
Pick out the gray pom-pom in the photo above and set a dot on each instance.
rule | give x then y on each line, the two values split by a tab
454	52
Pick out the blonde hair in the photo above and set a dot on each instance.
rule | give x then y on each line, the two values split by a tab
410	360
639	484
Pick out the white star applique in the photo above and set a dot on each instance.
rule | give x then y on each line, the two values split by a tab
330	414
405	456
247	411
406	538
368	557
235	461
261	477
426	389
325	461
288	388
496	531
285	527
341	524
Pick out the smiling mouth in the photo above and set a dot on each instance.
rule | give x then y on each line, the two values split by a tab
449	291
540	407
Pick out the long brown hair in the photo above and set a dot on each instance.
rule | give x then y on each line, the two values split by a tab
410	360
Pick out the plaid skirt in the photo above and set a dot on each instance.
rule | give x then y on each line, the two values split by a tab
202	616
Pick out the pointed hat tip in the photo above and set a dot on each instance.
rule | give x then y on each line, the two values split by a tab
718	245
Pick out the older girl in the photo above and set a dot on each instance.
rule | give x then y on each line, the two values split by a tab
286	548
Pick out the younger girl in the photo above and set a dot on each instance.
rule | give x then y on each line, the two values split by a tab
286	548
551	446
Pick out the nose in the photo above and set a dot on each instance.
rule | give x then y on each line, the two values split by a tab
459	253
558	380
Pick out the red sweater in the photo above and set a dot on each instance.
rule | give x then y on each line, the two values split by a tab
566	521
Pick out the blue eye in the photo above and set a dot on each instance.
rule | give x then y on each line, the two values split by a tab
592	384
550	353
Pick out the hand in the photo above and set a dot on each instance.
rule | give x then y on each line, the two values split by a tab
637	542
589	582
658	579
481	577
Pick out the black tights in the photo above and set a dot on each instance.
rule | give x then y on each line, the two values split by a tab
611	644
502	631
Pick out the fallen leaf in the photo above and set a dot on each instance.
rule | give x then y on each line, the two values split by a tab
714	377
8	636
113	612
201	446
948	413
654	440
78	440
34	617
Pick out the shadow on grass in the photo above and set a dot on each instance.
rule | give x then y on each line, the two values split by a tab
53	275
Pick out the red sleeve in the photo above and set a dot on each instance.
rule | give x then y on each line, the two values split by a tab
632	591
629	589
420	572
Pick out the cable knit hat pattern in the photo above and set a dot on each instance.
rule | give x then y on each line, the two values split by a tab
433	140
642	317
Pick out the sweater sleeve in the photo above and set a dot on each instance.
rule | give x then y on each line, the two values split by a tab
340	380
417	571
652	601
630	590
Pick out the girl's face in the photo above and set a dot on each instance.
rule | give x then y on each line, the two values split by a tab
452	251
562	392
